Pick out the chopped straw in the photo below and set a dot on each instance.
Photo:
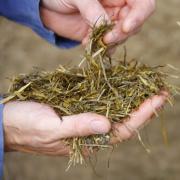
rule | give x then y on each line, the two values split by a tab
112	91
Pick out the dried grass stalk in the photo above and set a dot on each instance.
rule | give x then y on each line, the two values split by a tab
112	91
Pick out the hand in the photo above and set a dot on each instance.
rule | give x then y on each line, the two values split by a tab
130	19
73	18
35	128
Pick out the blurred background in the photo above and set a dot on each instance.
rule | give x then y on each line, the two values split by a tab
157	43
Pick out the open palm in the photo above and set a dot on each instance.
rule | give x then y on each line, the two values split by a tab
36	128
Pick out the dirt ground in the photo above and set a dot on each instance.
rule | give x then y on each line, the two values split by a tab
158	43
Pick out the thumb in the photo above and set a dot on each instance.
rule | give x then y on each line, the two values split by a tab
84	124
140	11
92	11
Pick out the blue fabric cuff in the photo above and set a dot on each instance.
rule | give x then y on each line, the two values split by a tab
26	12
1	141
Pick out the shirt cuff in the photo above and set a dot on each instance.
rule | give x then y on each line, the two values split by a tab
1	141
26	12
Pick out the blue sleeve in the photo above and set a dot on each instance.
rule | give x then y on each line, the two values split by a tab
1	141
26	12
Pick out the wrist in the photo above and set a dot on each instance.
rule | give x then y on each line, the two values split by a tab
1	140
9	129
7	142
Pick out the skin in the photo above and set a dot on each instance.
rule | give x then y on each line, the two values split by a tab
35	128
128	16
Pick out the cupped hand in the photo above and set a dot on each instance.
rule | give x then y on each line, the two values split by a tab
73	19
35	128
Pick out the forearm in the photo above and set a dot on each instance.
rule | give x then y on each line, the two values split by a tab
26	12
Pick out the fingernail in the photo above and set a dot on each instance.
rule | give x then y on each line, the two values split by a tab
99	127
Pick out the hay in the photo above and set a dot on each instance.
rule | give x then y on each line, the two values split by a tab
100	87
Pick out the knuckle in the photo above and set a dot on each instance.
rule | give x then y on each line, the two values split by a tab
128	132
121	133
128	135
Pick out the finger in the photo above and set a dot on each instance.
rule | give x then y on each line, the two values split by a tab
138	118
61	23
60	6
92	11
113	13
83	125
114	3
140	11
124	12
119	38
117	35
87	37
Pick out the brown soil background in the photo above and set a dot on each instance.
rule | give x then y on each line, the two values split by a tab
157	43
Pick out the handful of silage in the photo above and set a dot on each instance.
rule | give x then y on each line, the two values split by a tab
112	91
